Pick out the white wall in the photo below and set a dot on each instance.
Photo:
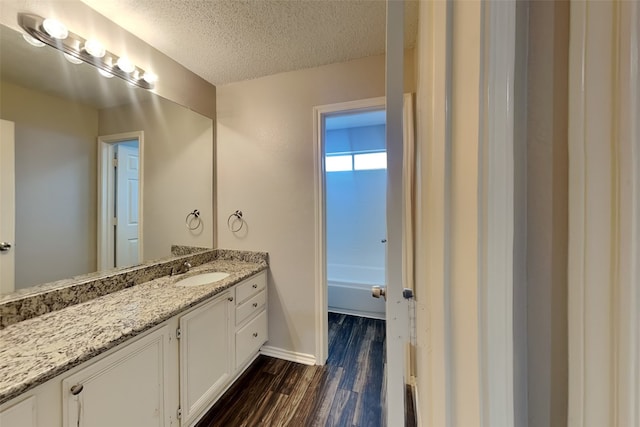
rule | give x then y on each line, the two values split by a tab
55	156
356	210
265	168
178	171
356	224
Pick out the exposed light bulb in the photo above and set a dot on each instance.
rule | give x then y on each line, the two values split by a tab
125	65
105	73
32	40
73	59
150	77
55	29
94	48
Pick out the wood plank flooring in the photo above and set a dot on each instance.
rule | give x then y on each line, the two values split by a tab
344	392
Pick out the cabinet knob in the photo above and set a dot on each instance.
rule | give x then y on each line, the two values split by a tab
255	286
77	389
255	335
230	298
255	304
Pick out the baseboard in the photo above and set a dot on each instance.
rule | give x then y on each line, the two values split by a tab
291	356
416	400
368	314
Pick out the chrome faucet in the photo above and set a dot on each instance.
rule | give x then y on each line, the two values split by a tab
182	269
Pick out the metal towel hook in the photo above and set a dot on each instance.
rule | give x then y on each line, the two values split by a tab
237	216
193	218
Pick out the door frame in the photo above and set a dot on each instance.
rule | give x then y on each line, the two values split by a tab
8	220
321	311
106	196
320	265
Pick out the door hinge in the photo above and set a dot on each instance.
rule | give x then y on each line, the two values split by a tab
114	162
179	413
178	333
115	221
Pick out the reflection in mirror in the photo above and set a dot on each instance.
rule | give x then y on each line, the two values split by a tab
66	205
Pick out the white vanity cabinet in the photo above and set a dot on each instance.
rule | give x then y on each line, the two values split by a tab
206	355
20	414
166	377
126	388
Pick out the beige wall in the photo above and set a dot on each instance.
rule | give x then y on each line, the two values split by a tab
175	81
265	167
55	153
547	212
178	171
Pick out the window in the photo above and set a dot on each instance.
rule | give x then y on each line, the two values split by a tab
356	161
369	161
339	163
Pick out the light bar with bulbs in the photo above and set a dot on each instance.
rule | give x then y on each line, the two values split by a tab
76	48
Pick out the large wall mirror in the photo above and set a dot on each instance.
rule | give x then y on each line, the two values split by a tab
72	214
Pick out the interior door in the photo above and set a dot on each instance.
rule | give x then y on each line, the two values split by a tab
398	333
7	206
127	209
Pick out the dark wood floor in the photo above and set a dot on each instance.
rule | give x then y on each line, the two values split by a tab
344	392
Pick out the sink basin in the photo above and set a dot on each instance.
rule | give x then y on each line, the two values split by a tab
202	279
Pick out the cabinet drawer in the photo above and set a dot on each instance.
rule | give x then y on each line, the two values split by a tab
250	338
251	306
250	287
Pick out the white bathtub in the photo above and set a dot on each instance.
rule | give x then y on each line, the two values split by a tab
349	290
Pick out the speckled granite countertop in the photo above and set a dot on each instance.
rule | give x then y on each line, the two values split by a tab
36	350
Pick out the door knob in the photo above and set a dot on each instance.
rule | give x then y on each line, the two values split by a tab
379	291
5	246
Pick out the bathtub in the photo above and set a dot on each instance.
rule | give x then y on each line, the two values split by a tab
349	290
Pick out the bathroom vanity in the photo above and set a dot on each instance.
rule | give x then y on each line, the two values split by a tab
153	354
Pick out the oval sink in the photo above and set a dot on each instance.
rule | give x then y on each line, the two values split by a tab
202	279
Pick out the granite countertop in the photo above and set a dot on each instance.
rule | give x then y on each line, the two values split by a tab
36	350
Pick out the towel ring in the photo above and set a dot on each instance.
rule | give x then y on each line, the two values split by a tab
237	215
191	218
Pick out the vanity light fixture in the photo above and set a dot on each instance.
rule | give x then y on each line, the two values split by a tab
125	65
107	74
150	77
73	59
76	48
55	29
32	41
94	48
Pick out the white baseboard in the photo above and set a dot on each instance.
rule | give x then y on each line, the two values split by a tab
291	356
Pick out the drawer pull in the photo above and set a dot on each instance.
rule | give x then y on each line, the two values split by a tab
230	298
255	335
77	389
255	304
255	286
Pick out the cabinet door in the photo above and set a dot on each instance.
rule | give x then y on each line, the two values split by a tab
21	414
127	388
205	356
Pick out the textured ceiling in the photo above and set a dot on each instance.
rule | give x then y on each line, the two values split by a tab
226	41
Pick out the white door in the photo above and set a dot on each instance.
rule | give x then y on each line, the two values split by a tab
205	355
127	209
7	206
397	324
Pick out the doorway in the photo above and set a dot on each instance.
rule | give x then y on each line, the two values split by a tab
120	191
398	331
355	210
